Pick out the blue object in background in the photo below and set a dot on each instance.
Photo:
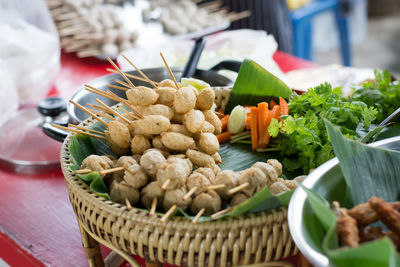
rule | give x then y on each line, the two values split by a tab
302	27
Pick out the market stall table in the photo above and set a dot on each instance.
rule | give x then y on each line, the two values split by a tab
37	224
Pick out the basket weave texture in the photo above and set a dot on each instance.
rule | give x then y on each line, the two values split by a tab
243	240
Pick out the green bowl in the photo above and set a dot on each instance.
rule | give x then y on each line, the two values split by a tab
328	181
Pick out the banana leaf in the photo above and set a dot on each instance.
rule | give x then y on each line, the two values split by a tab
253	85
368	171
237	157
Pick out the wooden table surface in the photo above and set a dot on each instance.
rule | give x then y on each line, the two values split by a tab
37	224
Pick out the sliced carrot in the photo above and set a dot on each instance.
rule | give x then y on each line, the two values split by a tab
284	106
254	130
224	122
224	137
248	122
272	104
275	112
262	124
220	113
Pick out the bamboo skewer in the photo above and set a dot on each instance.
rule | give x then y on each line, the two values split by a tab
153	207
97	107
85	129
99	92
238	188
198	215
113	111
138	70
214	187
133	76
122	83
117	169
83	171
89	112
237	16
125	102
118	87
89	53
120	72
165	184
221	212
78	131
170	72
103	114
211	4
128	204
190	193
168	213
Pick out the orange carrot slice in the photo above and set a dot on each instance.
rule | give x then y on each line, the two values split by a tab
275	112
224	137
263	114
254	126
272	104
284	106
224	122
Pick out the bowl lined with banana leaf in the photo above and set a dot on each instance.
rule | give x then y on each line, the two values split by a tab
358	174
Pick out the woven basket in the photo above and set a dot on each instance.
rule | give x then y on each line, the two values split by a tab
250	239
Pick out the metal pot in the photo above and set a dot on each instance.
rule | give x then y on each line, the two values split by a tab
84	97
328	181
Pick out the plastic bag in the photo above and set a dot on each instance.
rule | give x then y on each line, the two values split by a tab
227	45
29	48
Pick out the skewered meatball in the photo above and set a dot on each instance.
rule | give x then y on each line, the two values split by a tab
193	120
97	163
212	118
157	143
150	161
114	147
178	128
124	161
207	127
199	181
215	168
278	187
119	133
142	95
239	198
176	141
175	197
121	190
179	159
185	99
217	158
268	170
211	201
159	109
276	164
139	144
176	172
209	143
207	172
167	83
228	178
199	159
255	177
166	95
205	99
151	191
135	176
149	125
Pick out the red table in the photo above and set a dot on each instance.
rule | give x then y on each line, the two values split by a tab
37	224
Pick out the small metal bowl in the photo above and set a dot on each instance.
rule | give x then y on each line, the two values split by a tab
328	181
